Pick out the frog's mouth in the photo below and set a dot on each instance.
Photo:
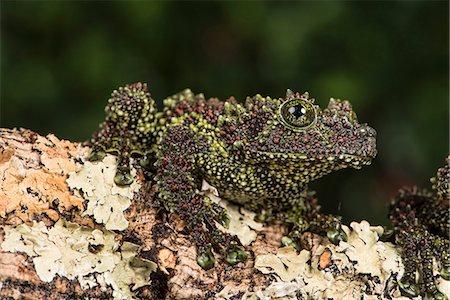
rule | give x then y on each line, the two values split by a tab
274	160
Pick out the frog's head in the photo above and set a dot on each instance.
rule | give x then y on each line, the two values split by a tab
296	134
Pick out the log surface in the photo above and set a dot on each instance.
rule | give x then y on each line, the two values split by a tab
34	190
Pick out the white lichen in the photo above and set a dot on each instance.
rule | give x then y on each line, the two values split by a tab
287	264
242	221
362	267
91	256
106	201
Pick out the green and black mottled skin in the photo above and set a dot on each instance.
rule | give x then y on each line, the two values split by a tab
260	154
421	222
129	129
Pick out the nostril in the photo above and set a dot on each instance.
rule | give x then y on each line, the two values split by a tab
371	131
367	130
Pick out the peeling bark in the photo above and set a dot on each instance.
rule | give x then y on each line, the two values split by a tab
32	188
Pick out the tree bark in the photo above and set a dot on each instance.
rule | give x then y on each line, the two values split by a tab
34	188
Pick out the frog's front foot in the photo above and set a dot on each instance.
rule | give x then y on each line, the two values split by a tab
207	260
123	176
205	257
235	254
329	224
96	154
202	216
337	234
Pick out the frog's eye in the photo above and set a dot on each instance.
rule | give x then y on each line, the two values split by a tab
298	114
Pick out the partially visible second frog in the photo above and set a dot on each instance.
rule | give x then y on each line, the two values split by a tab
421	221
260	154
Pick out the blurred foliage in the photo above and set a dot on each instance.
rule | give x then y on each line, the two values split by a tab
61	60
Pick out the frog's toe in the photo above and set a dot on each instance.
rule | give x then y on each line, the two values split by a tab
445	262
123	176
225	219
445	270
329	224
235	254
408	288
290	241
221	215
205	257
96	154
437	296
337	234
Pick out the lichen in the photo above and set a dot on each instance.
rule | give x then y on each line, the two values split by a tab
130	273
91	256
361	267
241	221
106	201
33	174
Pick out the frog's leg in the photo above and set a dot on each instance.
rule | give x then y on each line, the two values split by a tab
179	184
129	129
98	143
97	153
303	212
118	146
411	216
329	225
123	175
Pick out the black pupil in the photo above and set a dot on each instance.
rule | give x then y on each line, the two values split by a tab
297	110
297	113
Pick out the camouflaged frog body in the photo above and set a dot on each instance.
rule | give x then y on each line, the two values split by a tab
254	154
260	154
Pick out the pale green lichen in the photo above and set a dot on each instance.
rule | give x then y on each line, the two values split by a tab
91	256
106	200
130	271
287	264
360	264
242	221
363	249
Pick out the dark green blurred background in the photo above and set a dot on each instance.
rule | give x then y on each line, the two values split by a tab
61	60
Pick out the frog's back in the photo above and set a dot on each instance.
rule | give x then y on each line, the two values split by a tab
186	104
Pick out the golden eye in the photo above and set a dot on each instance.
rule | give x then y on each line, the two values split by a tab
298	114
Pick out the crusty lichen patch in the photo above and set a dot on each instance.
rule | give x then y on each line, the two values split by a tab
242	221
287	264
33	171
93	257
106	200
355	269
